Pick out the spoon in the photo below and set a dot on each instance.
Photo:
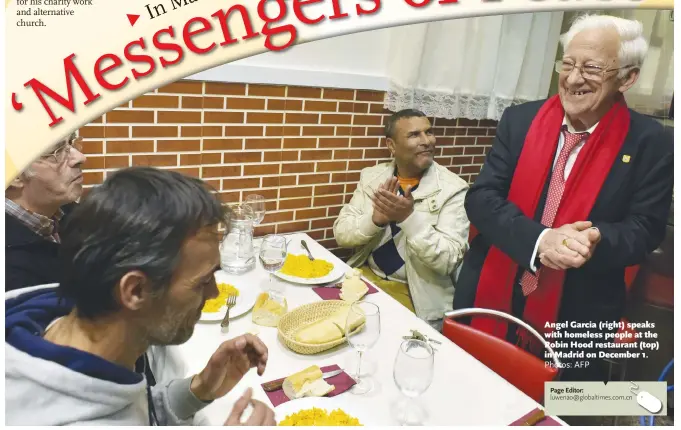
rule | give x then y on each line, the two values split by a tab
309	254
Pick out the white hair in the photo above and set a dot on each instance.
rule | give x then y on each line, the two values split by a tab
28	173
633	48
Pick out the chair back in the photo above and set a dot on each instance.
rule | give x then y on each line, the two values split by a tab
523	370
19	291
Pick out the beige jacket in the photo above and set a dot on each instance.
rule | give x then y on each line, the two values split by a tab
436	232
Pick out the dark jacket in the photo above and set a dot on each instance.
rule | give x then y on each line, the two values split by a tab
630	212
30	259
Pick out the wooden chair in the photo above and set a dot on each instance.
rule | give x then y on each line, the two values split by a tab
523	370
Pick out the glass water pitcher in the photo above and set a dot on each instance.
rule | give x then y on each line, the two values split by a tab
236	251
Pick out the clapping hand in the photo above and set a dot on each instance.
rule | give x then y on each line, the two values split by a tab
389	206
569	246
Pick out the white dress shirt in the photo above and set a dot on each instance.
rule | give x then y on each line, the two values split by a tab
568	168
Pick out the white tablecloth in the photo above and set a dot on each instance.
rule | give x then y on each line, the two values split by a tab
463	392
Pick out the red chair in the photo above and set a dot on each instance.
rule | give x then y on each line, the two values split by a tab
630	274
520	368
625	334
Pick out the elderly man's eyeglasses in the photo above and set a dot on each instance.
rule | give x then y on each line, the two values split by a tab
62	152
588	71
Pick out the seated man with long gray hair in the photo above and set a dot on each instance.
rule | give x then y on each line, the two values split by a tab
139	256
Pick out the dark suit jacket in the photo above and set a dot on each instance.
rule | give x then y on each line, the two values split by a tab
30	259
630	212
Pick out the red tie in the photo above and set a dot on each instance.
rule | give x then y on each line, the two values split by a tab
528	281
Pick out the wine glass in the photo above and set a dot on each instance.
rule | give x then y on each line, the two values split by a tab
363	339
273	253
257	203
413	374
272	256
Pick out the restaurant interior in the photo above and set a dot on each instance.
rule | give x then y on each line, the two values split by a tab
297	127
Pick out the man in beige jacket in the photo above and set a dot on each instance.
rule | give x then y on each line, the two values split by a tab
407	221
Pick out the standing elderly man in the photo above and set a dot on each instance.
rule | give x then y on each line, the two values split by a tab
575	189
139	256
35	203
408	221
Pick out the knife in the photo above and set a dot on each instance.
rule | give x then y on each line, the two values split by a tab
277	384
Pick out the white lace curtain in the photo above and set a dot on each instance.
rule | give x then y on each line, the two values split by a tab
472	67
652	93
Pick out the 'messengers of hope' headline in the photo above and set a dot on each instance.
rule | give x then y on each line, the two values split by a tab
172	43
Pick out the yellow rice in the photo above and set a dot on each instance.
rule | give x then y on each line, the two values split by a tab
214	305
302	267
319	417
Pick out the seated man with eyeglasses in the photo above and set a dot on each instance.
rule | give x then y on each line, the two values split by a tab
575	189
35	203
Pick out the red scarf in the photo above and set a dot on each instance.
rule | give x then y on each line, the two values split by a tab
495	287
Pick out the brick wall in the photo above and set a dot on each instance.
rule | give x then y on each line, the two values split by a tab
302	148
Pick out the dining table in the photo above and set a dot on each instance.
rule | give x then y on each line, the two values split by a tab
463	390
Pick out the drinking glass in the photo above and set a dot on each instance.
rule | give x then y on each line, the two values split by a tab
272	256
363	339
273	253
257	203
413	374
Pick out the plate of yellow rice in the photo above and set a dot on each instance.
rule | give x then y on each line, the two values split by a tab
215	309
299	269
321	412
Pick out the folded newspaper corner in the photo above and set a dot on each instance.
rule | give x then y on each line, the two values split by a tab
615	398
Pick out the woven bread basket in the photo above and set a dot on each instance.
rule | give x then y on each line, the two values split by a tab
305	315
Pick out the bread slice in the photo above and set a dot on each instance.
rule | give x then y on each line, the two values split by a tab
340	318
306	383
328	329
353	289
322	331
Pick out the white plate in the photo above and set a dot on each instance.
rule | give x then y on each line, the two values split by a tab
335	275
244	301
295	247
345	401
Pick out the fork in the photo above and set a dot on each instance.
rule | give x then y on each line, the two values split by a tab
309	254
230	302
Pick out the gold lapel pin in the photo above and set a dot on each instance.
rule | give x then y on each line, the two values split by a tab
626	158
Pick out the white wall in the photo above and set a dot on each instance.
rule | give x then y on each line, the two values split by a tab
355	61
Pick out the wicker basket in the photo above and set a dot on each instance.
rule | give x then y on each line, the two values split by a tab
308	314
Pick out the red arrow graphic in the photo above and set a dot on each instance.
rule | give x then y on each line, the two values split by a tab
132	18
